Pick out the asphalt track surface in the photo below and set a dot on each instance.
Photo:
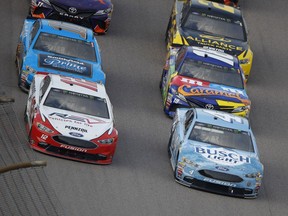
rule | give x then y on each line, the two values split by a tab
140	180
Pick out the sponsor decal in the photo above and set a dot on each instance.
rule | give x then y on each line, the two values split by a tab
219	182
71	16
76	128
191	81
218	43
221	168
211	37
212	48
74	119
76	134
199	91
232	90
73	148
65	64
222	156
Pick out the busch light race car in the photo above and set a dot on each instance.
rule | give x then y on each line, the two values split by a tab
57	47
94	14
215	151
199	77
211	25
70	118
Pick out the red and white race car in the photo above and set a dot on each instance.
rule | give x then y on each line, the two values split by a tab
70	118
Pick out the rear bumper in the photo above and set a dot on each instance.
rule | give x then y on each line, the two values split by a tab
99	24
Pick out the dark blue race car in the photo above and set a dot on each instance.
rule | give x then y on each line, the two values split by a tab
57	47
94	14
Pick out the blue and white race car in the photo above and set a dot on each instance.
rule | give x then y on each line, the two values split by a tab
215	151
57	47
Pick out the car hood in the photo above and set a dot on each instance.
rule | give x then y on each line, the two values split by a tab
202	93
76	125
220	159
84	5
220	43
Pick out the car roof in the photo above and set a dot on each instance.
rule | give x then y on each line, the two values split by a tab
212	56
222	119
76	85
66	29
222	10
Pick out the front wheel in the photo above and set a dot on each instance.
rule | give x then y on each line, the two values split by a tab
176	164
25	115
168	147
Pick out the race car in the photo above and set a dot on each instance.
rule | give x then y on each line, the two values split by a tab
57	47
199	77
94	14
215	151
70	118
211	25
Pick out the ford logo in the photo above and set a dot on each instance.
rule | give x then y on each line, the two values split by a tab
222	168
75	134
72	10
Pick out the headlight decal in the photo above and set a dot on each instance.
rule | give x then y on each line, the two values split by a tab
44	128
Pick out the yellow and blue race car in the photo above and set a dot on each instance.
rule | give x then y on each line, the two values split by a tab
210	25
203	78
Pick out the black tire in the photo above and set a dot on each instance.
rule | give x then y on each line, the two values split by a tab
167	31
176	164
168	147
25	115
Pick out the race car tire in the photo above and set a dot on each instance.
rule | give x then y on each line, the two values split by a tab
167	31
168	147
25	115
176	164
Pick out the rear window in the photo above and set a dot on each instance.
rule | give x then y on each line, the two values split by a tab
210	24
77	102
66	46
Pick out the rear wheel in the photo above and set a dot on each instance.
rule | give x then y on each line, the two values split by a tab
25	115
167	31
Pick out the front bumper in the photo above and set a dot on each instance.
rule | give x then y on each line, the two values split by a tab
219	189
102	154
173	102
219	184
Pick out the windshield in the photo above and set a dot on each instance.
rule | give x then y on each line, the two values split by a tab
220	136
212	73
77	102
66	46
215	25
